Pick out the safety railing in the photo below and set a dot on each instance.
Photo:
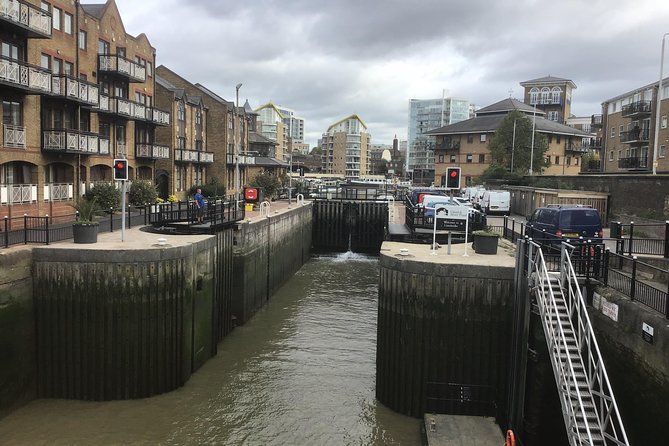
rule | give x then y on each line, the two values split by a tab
647	238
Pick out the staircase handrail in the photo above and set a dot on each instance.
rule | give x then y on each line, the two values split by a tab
562	376
600	386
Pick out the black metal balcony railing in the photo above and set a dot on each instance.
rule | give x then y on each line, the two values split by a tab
76	89
448	145
635	136
20	74
113	63
72	141
594	144
633	162
23	15
636	108
596	120
153	151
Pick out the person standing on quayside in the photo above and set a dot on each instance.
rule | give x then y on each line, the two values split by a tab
199	202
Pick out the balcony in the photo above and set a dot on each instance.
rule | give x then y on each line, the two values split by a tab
186	156
23	76
545	101
205	157
595	144
58	192
158	117
448	144
596	121
244	160
638	108
70	141
75	89
120	66
25	18
153	151
18	193
577	147
633	162
635	136
14	136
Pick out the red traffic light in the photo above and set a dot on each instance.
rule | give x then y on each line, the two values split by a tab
120	169
120	165
454	173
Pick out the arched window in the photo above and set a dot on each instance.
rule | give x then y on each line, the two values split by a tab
556	92
545	95
534	95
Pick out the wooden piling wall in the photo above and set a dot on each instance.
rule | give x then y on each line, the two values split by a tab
358	225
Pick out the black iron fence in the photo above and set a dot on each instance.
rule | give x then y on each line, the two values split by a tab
48	229
649	238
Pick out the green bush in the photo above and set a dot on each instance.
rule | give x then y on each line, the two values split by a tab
142	192
270	184
105	195
213	188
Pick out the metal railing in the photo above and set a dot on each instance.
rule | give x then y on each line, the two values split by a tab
23	74
217	211
14	136
633	162
579	370
638	107
647	238
119	64
635	135
26	15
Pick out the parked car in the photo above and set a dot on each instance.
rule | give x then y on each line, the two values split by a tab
496	201
564	222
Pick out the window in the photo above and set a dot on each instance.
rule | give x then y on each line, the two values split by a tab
534	95
55	20
553	116
555	95
453	158
550	139
482	158
12	113
45	61
620	154
120	51
569	161
557	139
181	112
661	153
613	132
68	68
576	160
44	6
83	39
664	122
441	159
622	129
470	138
469	157
557	160
483	137
57	67
149	68
545	95
611	155
67	23
103	47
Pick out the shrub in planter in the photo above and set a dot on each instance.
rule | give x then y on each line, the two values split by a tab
85	229
485	241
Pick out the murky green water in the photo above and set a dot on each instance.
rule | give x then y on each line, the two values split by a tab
301	372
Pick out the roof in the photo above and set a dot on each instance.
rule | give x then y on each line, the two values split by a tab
95	10
270	105
548	80
505	106
353	116
665	81
179	93
269	162
248	109
257	138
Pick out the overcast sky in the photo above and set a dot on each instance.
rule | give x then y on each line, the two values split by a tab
329	59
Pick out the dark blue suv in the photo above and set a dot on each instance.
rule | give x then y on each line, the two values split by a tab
556	222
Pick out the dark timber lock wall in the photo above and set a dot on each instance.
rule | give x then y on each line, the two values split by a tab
342	225
443	336
124	323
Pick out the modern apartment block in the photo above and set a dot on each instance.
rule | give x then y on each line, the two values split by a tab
628	130
426	115
345	148
465	144
272	126
294	125
551	95
77	91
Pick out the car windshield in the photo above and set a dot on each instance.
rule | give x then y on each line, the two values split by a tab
579	217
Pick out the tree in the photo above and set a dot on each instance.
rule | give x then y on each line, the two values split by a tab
502	142
270	184
142	192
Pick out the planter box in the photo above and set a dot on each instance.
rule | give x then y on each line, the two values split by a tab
485	244
85	233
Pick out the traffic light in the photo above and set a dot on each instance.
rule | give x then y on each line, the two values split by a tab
120	169
453	178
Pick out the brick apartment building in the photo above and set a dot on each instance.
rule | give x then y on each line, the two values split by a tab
77	91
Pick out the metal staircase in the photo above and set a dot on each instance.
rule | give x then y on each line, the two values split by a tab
588	406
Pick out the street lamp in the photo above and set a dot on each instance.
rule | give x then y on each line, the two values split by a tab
534	123
657	108
234	141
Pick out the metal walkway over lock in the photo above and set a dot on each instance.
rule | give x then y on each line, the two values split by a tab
589	408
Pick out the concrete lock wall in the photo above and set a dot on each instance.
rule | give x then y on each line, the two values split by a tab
17	330
443	336
117	324
267	253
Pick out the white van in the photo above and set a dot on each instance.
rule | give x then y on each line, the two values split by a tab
498	201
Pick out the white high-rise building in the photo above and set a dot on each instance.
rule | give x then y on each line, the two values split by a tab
345	148
294	125
426	115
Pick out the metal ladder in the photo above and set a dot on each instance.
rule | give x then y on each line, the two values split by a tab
589	408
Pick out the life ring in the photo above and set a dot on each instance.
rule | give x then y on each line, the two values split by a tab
510	438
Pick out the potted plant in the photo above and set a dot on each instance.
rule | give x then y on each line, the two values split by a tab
85	229
485	241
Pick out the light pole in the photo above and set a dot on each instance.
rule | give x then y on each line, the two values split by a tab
657	108
534	123
234	141
513	144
